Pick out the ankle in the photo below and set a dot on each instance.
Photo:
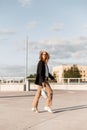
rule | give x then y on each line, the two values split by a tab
34	109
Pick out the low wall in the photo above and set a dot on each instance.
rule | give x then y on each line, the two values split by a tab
12	84
63	87
12	87
28	87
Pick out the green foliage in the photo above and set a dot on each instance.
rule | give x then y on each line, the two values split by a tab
31	76
73	72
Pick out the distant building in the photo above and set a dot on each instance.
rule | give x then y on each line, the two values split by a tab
58	71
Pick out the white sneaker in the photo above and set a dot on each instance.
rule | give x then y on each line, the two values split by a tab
48	109
34	109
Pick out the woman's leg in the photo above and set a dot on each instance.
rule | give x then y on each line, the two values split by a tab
36	98
50	95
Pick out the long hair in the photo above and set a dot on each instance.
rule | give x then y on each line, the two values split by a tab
46	53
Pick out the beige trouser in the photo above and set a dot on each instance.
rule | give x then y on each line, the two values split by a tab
38	94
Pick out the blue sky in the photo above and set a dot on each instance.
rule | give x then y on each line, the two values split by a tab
57	26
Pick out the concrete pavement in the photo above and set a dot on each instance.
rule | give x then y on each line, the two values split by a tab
69	111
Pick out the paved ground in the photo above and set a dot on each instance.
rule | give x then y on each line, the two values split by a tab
69	107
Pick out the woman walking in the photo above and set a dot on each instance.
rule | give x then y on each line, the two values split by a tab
41	81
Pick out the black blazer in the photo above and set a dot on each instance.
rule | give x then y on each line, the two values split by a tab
40	76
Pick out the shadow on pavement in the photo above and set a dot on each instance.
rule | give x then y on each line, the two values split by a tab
70	108
17	96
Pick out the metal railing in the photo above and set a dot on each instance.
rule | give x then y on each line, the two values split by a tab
65	80
12	80
72	80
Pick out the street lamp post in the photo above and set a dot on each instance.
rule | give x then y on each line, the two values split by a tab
26	56
26	66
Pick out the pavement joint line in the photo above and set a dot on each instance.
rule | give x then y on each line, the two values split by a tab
20	96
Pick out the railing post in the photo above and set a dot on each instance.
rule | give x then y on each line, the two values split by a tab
78	80
27	85
68	81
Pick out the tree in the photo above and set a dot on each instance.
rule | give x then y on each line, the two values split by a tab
73	72
31	76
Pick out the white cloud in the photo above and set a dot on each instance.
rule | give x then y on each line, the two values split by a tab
14	71
85	26
7	31
53	41
81	53
63	50
25	2
32	24
61	47
57	26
